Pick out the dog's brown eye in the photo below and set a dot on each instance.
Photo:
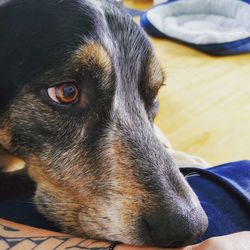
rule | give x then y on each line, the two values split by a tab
66	93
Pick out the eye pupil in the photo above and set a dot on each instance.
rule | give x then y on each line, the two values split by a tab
67	93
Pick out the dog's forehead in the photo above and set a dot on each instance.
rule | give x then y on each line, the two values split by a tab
132	54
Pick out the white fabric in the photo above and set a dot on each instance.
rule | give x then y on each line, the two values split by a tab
159	1
203	21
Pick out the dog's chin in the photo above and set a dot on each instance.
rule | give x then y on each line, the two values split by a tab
130	238
105	233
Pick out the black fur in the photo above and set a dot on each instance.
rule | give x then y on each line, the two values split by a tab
47	35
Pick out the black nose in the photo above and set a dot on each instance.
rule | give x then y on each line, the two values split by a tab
183	227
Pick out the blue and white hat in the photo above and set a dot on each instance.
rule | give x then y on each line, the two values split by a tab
218	27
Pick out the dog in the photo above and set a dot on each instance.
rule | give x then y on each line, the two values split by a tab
79	84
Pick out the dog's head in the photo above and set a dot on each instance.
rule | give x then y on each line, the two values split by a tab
79	81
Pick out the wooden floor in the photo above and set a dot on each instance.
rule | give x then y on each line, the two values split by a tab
205	107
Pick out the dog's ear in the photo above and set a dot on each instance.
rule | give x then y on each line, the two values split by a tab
10	162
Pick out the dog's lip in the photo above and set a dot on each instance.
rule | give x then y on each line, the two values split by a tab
117	237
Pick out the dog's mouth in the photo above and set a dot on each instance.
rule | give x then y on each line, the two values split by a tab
160	228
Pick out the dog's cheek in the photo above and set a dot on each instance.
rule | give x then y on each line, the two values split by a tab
59	201
59	208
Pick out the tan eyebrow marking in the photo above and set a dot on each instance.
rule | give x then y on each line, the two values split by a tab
156	75
93	56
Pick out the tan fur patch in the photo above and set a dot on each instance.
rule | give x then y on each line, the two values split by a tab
156	74
9	162
93	51
94	56
59	204
127	184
